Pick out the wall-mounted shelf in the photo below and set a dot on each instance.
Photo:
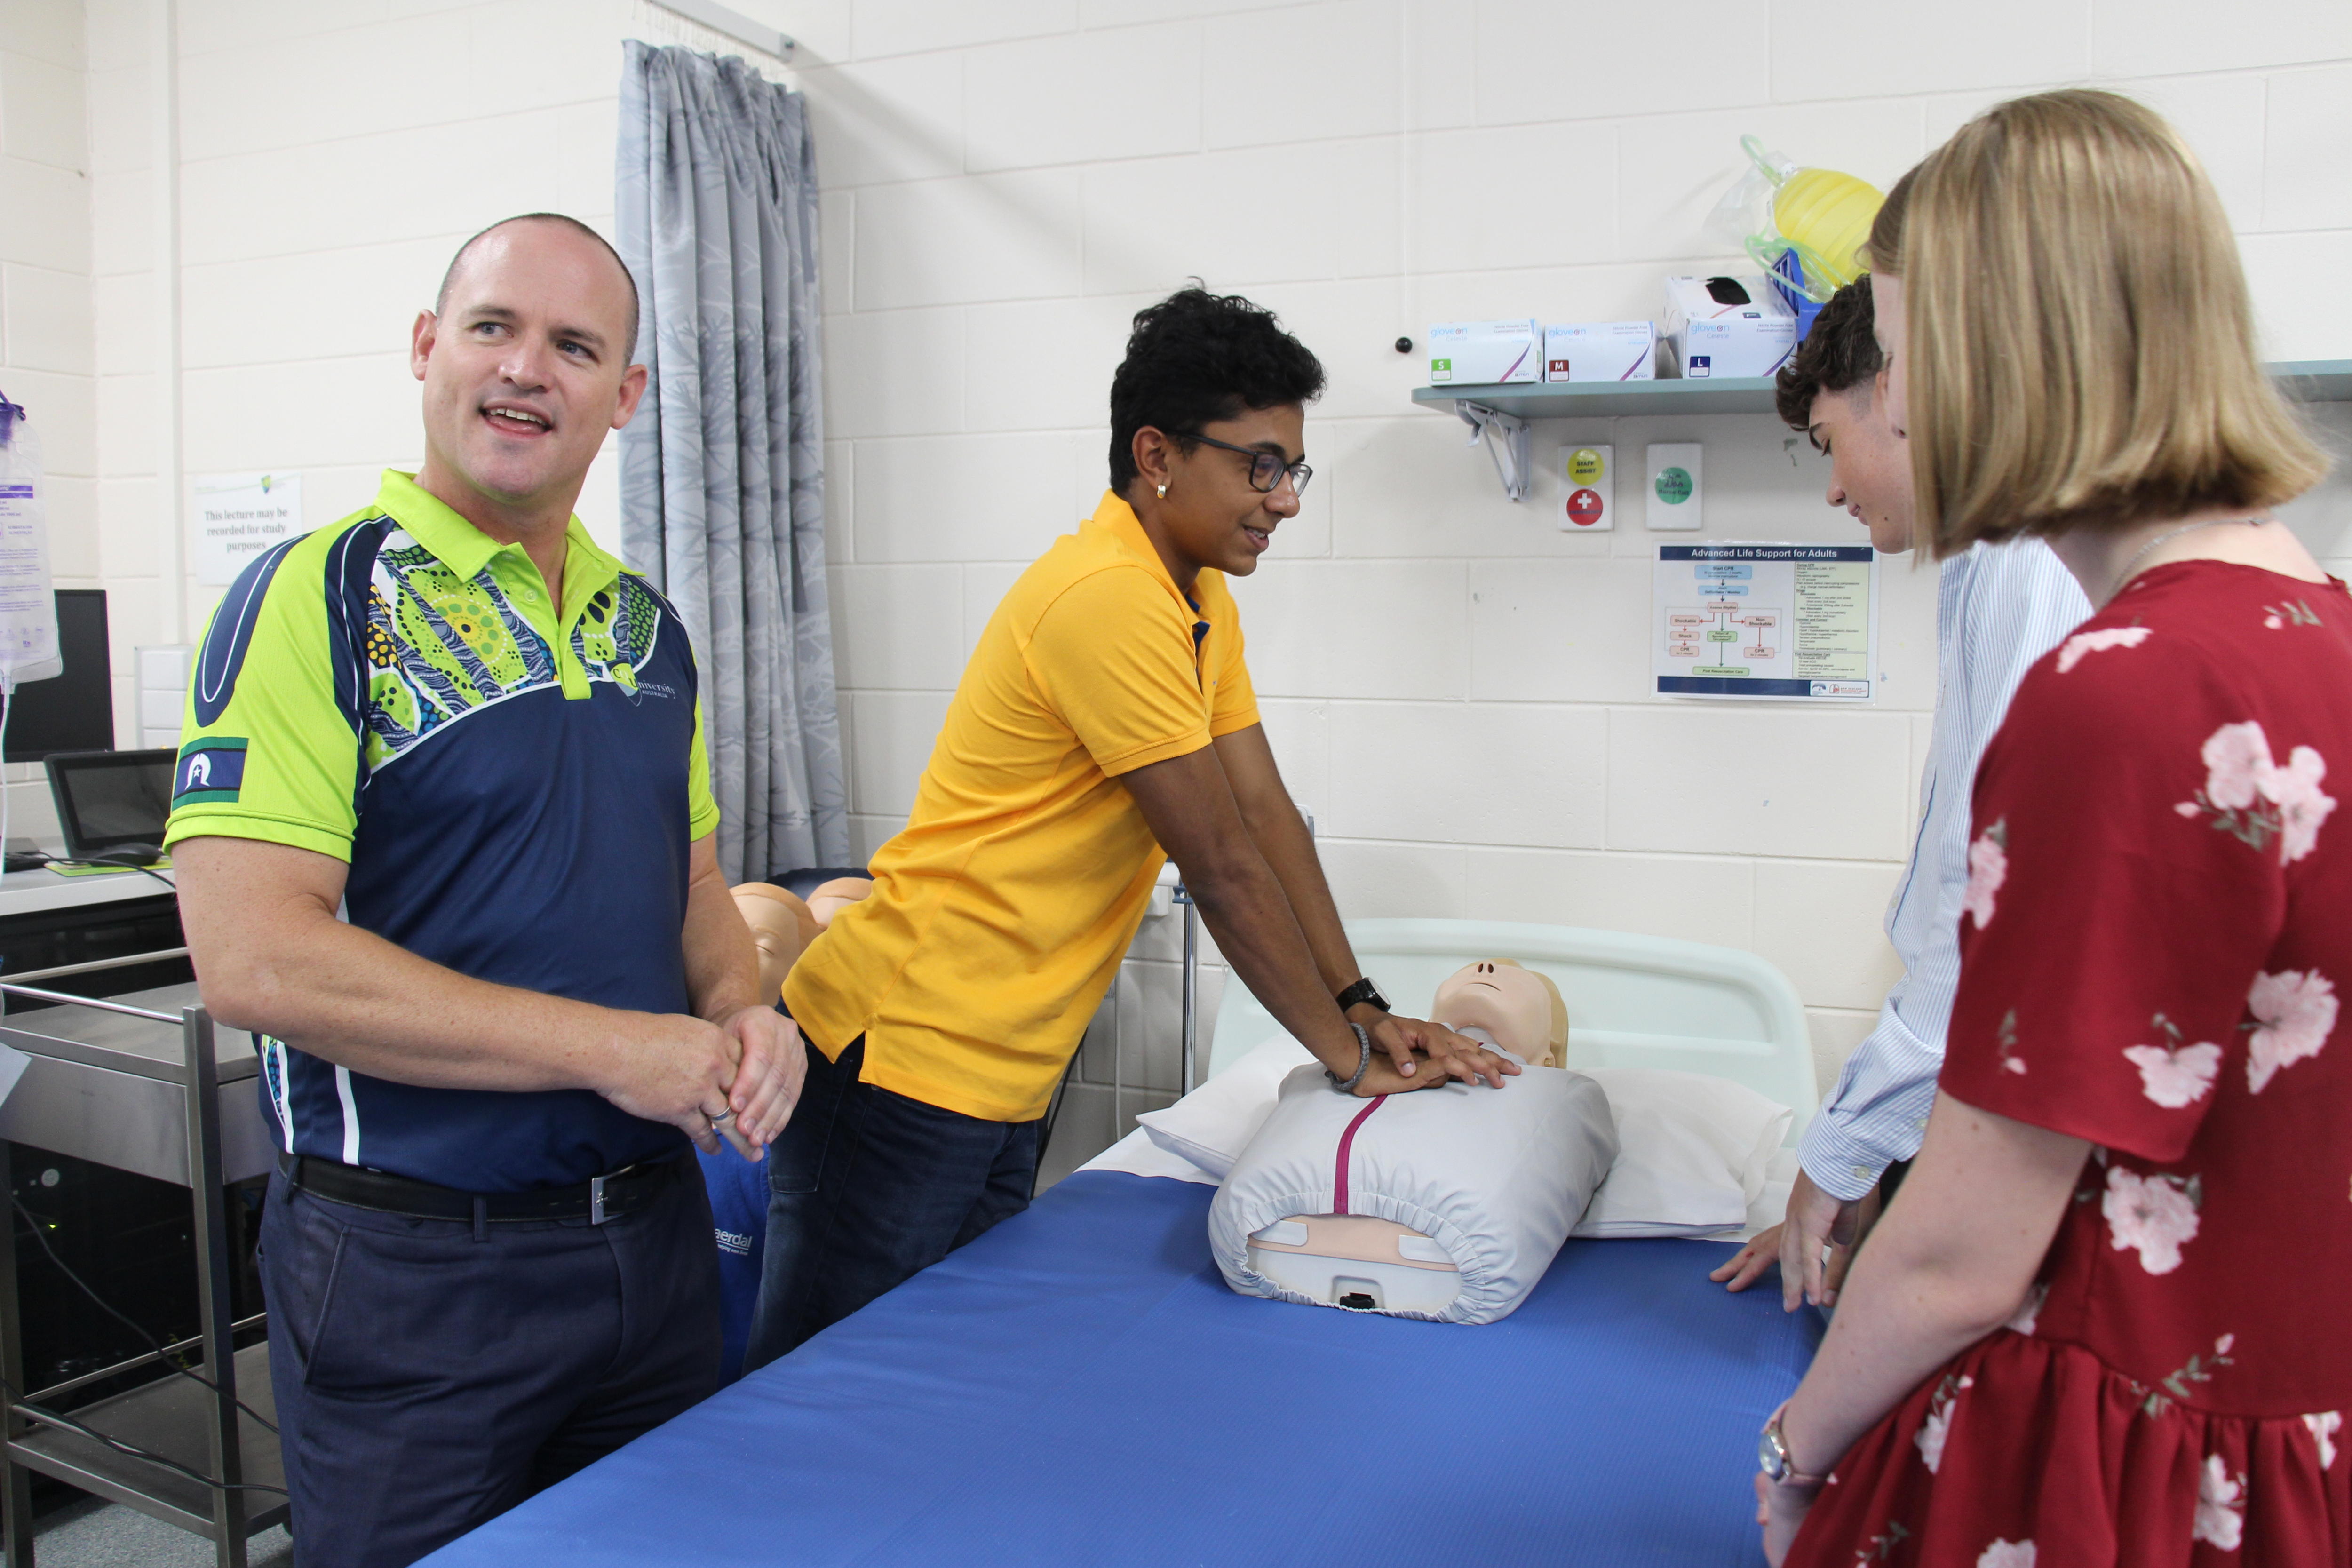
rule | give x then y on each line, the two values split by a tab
2306	381
1606	399
2316	380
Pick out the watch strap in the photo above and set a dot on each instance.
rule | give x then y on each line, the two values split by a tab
1778	1463
1362	991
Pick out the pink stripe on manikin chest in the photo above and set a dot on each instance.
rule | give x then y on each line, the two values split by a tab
1347	1143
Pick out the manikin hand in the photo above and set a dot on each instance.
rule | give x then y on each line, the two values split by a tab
1422	1055
767	1082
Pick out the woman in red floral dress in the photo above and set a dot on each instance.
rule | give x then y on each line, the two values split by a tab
2109	1318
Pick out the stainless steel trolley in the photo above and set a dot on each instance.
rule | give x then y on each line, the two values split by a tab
138	1082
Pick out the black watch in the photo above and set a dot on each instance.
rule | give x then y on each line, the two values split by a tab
1364	991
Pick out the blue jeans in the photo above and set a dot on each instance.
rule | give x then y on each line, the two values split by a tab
867	1188
427	1381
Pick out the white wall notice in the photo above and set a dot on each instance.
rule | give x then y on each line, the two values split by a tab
28	611
1766	620
235	517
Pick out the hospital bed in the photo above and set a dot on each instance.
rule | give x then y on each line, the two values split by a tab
1079	1387
1633	1001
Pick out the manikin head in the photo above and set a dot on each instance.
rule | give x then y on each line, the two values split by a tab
1835	391
827	899
1522	1009
782	926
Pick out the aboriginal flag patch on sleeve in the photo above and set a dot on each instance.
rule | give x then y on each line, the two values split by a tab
210	769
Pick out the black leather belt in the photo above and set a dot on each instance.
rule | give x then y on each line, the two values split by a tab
596	1200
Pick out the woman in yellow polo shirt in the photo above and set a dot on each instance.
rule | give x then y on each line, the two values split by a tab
1105	713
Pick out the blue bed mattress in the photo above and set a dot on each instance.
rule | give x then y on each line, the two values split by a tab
1079	1386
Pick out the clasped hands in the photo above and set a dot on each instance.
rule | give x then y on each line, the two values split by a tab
1413	1053
736	1075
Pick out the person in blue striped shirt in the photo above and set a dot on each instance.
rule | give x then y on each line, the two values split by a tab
1998	608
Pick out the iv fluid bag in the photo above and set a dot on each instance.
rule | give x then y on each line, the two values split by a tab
28	610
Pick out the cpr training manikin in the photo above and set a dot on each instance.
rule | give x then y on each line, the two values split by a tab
782	924
827	899
1446	1203
781	928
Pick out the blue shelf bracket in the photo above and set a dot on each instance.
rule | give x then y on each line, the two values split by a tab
1509	441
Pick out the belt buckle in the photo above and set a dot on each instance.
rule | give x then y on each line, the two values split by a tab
595	1200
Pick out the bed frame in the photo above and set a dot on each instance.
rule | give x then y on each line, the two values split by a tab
1632	1001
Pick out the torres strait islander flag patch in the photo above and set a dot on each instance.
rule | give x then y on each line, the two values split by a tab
211	769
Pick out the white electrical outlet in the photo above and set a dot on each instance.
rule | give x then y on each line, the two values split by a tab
1591	504
1676	486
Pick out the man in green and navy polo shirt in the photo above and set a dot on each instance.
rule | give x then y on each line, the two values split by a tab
444	829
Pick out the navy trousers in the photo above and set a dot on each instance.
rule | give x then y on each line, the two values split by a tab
867	1188
429	1378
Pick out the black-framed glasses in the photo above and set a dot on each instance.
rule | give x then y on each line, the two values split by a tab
1266	468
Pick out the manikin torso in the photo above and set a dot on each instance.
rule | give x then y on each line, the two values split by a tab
1495	1002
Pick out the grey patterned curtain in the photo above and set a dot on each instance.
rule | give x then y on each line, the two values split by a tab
722	474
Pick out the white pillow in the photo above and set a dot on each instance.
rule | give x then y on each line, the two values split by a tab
1695	1153
1212	1125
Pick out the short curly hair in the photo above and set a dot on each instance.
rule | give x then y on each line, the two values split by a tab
1195	358
1840	352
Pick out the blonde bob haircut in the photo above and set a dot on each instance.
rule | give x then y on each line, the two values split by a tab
2081	347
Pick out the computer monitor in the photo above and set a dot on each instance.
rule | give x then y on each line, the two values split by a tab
73	712
107	800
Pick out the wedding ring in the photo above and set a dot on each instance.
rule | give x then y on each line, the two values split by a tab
723	1116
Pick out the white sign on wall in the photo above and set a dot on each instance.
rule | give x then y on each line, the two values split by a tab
234	517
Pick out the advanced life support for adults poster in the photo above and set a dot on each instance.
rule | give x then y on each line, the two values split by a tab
1790	622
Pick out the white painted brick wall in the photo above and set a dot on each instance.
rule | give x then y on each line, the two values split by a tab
331	158
1453	687
47	345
